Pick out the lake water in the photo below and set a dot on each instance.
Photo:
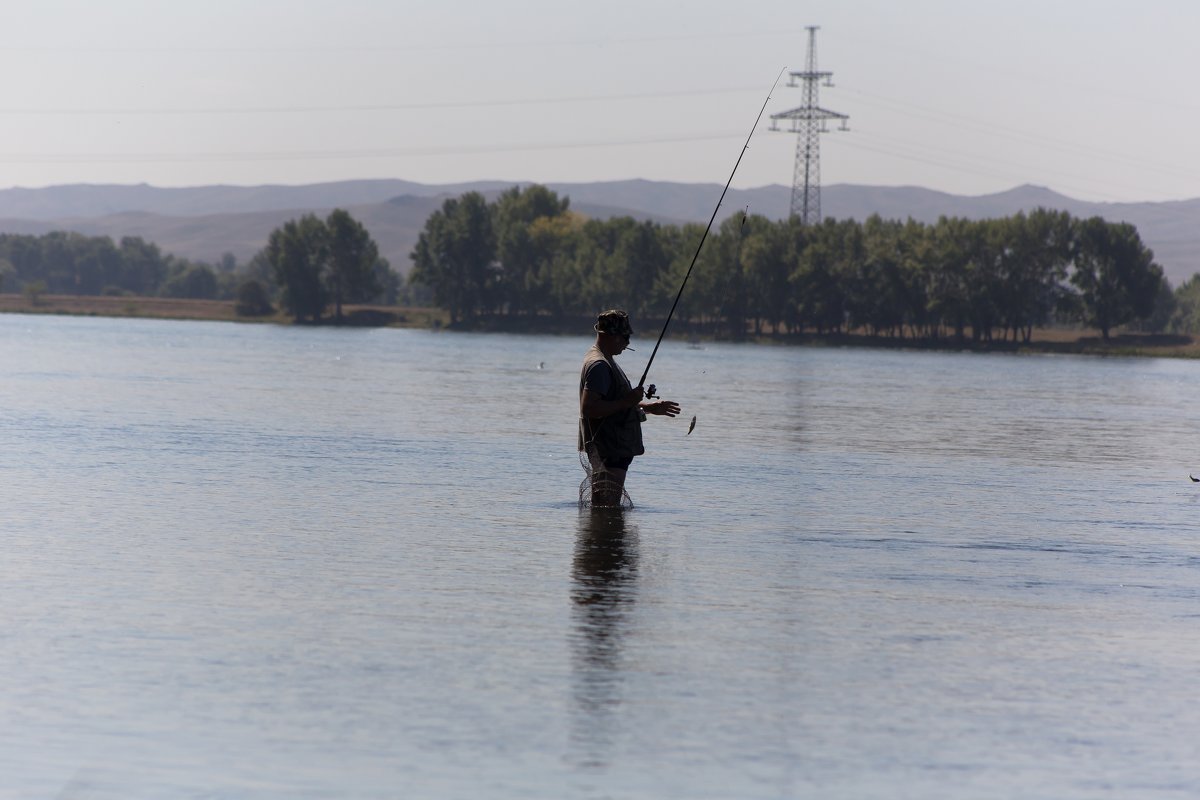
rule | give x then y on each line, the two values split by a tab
252	561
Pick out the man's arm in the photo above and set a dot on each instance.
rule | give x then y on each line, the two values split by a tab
593	406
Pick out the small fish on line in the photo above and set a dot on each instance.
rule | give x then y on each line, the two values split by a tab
1194	479
693	427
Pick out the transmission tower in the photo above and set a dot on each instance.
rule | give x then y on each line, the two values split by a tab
808	123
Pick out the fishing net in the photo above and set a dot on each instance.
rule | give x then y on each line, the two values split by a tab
595	483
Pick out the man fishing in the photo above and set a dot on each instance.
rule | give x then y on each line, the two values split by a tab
611	410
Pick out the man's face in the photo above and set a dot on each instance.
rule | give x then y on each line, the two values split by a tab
615	343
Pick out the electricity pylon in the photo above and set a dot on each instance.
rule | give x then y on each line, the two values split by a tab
808	123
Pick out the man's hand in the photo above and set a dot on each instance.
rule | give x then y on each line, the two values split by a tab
633	397
663	408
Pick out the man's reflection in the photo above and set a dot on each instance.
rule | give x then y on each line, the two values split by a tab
604	588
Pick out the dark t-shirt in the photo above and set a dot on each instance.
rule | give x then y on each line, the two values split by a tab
599	380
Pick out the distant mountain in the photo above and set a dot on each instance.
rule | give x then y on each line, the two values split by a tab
89	200
203	223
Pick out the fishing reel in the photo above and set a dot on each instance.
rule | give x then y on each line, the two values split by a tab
650	395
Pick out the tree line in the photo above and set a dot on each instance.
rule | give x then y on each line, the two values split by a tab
308	266
71	263
528	254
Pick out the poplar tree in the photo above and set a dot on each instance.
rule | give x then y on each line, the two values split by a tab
351	274
297	253
454	256
1115	273
513	216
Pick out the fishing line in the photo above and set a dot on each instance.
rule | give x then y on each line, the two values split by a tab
688	274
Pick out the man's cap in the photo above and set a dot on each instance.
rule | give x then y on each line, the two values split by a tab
614	321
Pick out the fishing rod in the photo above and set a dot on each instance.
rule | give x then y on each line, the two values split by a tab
671	313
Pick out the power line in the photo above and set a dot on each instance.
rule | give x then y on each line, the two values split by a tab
306	155
372	107
1015	134
490	44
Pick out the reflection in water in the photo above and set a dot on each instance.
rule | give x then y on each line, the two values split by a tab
604	588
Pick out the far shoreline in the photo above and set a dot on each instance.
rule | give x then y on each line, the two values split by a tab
1044	340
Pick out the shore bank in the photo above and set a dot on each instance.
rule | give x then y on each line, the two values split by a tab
1083	342
217	310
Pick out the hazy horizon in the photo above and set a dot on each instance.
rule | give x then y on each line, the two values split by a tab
524	182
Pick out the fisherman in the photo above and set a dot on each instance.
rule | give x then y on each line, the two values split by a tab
611	410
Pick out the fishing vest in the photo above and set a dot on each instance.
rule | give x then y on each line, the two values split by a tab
618	435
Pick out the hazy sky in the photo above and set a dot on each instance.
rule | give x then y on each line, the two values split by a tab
1092	98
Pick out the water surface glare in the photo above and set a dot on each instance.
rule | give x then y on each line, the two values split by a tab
252	561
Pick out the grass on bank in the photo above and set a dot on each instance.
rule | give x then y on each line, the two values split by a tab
1048	340
220	310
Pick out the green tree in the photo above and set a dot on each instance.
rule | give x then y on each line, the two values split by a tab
915	245
25	255
1164	310
197	281
987	281
1185	317
1116	275
520	257
723	274
143	267
259	268
1033	263
388	282
827	256
59	251
678	243
552	281
97	264
253	299
454	256
877	290
715	292
619	260
637	258
765	265
297	254
955	255
353	258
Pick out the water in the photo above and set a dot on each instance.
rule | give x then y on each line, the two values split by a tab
251	561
